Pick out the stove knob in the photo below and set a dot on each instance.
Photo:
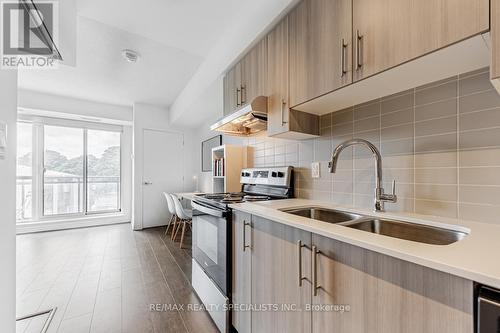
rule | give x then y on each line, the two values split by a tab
242	174
274	174
281	174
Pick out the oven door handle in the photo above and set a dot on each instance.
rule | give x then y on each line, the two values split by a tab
207	210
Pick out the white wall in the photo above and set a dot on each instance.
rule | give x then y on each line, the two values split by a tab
152	117
8	115
212	104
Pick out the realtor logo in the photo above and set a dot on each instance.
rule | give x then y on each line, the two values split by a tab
29	32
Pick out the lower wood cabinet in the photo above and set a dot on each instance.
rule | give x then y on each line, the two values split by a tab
275	277
241	284
385	294
342	288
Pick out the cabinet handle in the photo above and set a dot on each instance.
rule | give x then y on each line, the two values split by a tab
299	250
359	53
343	48
245	224
238	91
243	101
283	105
315	253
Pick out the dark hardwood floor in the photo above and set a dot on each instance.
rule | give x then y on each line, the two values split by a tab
105	279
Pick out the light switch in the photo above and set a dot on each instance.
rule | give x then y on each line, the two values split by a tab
315	170
3	139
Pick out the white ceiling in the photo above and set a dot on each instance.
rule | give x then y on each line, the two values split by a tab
174	37
190	25
101	74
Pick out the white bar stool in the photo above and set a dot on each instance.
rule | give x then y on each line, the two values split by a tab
185	217
171	209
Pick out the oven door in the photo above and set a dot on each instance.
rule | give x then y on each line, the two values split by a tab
210	242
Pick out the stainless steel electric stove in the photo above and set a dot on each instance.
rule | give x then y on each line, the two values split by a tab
212	225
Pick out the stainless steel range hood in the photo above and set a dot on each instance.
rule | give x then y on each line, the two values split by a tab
250	119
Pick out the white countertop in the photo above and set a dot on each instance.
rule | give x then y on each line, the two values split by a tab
476	257
187	195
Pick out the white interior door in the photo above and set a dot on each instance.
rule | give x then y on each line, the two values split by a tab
162	172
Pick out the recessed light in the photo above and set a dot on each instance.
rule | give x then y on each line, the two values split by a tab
130	55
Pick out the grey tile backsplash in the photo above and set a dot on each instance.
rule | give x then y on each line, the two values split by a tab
440	142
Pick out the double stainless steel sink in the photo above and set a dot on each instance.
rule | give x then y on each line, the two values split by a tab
392	228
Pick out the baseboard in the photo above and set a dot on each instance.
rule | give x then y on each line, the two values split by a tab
32	227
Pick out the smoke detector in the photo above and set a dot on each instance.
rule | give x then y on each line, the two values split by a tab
130	55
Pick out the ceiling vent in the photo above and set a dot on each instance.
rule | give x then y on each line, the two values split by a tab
130	55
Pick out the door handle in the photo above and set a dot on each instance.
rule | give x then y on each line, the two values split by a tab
283	105
315	253
245	224
243	89
359	53
147	183
238	91
299	250
343	47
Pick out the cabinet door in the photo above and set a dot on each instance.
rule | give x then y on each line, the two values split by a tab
495	43
227	93
394	31
385	294
241	284
277	74
232	89
275	277
318	29
254	72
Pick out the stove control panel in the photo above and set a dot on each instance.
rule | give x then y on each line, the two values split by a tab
277	176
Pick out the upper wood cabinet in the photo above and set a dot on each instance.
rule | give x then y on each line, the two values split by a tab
226	90
254	73
385	294
495	43
281	120
247	79
387	33
324	45
232	89
277	75
319	48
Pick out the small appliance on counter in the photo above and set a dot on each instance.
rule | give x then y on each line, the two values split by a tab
212	228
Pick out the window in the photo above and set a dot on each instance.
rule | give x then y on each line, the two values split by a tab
63	170
103	171
67	168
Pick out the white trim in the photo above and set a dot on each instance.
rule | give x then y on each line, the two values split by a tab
70	116
66	122
41	222
72	223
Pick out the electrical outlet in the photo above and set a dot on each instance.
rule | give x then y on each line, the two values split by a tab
315	170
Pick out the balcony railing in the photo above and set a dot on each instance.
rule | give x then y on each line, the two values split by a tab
64	195
24	198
